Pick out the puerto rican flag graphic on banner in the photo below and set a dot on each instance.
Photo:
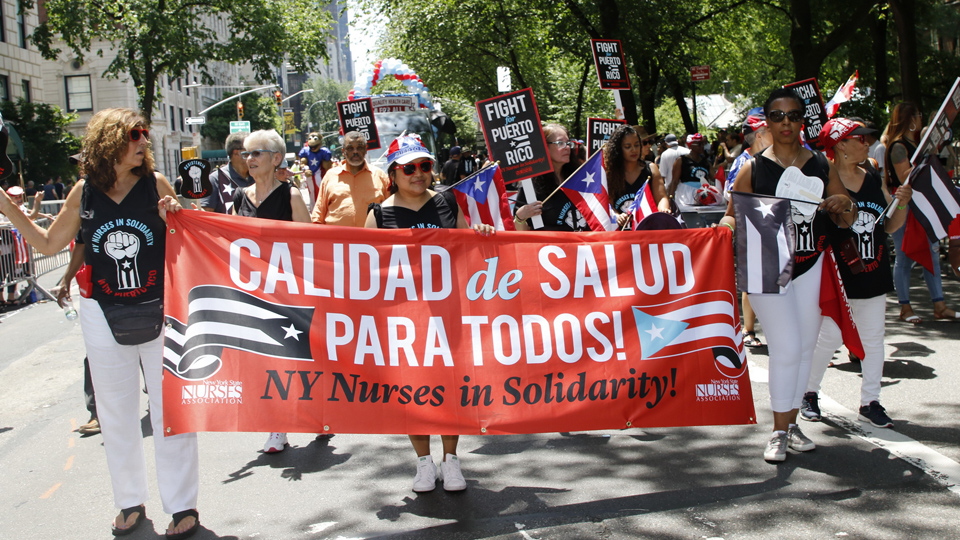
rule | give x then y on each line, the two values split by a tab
842	96
587	189
642	205
483	199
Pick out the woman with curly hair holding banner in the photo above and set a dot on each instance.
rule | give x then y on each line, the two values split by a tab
627	172
120	209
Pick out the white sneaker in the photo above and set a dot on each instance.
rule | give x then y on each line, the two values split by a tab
426	479
276	442
451	475
798	441
777	447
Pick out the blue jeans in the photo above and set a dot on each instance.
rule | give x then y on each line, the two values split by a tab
903	265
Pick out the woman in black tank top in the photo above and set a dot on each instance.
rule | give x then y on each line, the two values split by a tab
791	320
627	172
121	206
413	205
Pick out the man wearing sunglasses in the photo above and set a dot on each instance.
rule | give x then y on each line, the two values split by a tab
347	190
229	178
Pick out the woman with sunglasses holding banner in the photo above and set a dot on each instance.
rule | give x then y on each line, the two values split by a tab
413	205
557	211
120	208
791	320
268	198
627	172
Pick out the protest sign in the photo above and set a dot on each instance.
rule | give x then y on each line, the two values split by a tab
611	66
357	115
598	131
938	133
511	128
274	327
814	112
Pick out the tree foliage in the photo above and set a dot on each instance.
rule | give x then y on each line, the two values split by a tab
151	38
47	144
258	109
320	106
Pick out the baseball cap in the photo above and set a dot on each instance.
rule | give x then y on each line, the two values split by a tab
455	150
14	191
755	120
407	148
694	138
671	140
837	129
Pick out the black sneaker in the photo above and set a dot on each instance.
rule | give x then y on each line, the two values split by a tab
875	414
810	408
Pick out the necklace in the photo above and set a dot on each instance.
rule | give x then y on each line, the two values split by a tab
781	163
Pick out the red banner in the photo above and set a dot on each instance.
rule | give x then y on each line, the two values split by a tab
275	326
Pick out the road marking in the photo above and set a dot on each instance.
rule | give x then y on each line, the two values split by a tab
73	425
51	490
938	466
69	464
71	442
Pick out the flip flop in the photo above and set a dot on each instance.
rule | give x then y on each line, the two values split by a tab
750	340
126	512
180	516
912	319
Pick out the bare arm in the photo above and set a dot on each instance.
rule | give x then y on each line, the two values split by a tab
300	213
63	229
838	202
76	261
900	162
658	189
740	183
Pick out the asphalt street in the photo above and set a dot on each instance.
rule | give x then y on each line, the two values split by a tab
677	483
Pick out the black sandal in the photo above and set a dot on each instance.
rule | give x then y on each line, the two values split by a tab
180	516
750	339
126	512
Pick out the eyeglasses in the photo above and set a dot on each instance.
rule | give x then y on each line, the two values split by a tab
776	115
410	168
563	144
255	154
135	134
856	138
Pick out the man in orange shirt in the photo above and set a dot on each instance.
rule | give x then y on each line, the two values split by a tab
346	190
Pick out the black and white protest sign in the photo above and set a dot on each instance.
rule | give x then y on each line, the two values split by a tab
357	115
939	134
764	243
598	131
611	67
511	128
814	112
195	178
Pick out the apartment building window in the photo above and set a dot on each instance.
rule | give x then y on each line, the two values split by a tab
4	88
22	26
79	95
190	115
182	125
25	84
179	84
3	32
173	119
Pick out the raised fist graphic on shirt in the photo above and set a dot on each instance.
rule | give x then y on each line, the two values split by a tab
123	247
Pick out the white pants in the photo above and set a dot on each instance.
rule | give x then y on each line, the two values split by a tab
115	370
869	314
791	324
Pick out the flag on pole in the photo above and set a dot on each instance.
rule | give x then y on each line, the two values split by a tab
764	243
934	204
834	304
843	95
643	204
483	199
587	189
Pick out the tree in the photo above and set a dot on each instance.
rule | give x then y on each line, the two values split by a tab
152	38
320	106
47	144
259	110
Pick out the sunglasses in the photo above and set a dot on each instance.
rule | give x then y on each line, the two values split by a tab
136	133
856	138
646	143
563	144
776	115
410	168
255	154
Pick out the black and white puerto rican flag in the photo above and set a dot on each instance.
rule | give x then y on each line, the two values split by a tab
764	242
222	317
935	201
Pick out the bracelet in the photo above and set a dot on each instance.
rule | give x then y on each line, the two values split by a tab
901	207
517	220
727	225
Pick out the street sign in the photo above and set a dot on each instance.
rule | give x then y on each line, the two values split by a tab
288	126
242	126
196	121
700	73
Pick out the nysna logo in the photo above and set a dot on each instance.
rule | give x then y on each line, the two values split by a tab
212	392
725	390
701	321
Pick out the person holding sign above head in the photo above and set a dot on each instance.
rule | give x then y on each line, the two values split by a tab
558	212
347	189
901	137
792	319
413	205
120	209
864	265
627	172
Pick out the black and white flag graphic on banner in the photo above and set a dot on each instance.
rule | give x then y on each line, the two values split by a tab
223	317
935	202
764	243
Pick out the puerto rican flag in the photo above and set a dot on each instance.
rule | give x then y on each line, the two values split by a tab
934	205
843	95
483	199
21	251
643	204
587	189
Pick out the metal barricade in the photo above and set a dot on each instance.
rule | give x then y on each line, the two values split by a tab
20	262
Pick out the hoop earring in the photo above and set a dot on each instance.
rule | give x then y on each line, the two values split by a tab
913	126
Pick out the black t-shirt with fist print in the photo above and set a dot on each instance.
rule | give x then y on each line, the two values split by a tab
124	243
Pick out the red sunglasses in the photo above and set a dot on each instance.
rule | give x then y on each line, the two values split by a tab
857	137
410	168
135	133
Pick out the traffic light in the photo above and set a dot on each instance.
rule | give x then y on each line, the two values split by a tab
239	110
278	95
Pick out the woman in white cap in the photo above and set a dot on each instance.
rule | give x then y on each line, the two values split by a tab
413	205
